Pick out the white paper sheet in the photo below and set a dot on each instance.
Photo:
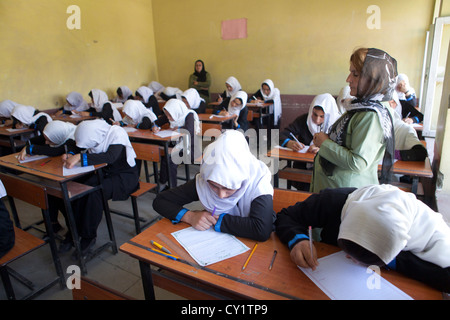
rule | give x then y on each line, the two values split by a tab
342	279
166	133
77	169
129	129
29	158
304	150
208	247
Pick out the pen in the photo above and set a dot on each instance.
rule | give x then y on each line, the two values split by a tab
44	163
273	259
310	241
408	114
160	247
163	254
250	256
214	211
294	138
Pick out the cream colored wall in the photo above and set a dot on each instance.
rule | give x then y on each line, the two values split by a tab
41	60
303	46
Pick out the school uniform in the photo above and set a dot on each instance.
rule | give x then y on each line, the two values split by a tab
196	102
30	117
227	161
102	107
274	99
241	112
75	102
234	84
186	120
149	100
400	230
7	235
104	144
138	115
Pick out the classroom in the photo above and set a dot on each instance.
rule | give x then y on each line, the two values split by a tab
53	47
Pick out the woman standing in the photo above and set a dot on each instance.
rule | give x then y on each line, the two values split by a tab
201	80
349	155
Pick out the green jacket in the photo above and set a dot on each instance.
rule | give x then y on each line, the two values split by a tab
201	86
356	164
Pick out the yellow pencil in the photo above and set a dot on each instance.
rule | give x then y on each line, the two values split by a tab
250	256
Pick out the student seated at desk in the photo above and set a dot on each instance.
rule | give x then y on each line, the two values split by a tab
26	116
6	107
101	107
408	101
375	225
7	235
123	94
322	114
104	144
56	139
235	105
232	87
170	93
179	116
137	115
193	101
75	103
234	188
269	94
157	88
146	96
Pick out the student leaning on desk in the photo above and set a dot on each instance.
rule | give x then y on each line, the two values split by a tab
375	225
233	187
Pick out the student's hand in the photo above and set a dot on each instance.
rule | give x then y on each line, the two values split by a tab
114	123
84	114
71	160
220	99
59	112
408	120
301	255
294	145
22	154
156	129
19	125
223	113
313	149
319	138
200	220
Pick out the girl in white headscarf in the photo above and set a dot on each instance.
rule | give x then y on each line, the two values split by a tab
193	101
6	107
235	105
234	188
232	87
137	115
75	102
145	95
101	107
408	100
123	94
104	144
375	225
269	94
180	117
26	116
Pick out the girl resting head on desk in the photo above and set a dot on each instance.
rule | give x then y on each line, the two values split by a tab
29	117
375	225
137	115
233	187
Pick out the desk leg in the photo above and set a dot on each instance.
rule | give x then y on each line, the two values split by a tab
73	227
112	236
12	143
147	281
415	184
166	152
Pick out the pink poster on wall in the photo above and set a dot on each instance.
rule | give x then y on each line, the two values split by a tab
234	29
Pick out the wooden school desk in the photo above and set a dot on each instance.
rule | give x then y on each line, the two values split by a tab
147	136
75	120
50	174
415	169
11	139
226	280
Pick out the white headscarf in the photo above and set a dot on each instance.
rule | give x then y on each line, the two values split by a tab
275	96
193	98
344	99
329	106
126	93
178	111
99	97
25	114
97	135
136	111
234	84
229	162
404	77
385	220
6	107
237	110
156	86
172	91
145	93
76	102
59	132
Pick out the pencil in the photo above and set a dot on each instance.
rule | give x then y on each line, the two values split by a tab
250	256
273	259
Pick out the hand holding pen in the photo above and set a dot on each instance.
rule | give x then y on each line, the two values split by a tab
295	144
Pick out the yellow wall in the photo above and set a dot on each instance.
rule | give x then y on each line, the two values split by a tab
302	45
41	60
